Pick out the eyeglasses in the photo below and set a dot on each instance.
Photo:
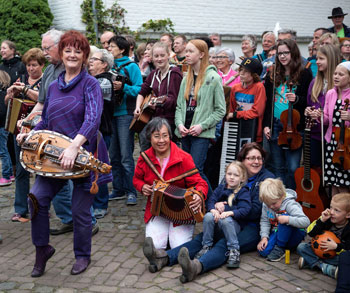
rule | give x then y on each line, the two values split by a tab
92	59
220	57
284	54
47	49
253	159
159	137
346	46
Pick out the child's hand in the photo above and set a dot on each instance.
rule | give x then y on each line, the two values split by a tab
326	214
328	244
216	215
226	214
283	219
220	206
262	244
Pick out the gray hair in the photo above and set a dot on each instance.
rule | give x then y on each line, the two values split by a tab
251	39
106	57
213	50
293	33
228	51
155	125
270	33
54	34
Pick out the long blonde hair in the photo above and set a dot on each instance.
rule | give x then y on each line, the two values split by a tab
203	48
244	177
333	57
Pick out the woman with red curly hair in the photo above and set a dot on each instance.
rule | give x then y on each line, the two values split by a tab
73	107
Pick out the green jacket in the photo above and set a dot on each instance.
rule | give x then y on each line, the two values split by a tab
211	107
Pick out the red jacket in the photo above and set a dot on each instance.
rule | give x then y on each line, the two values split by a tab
179	163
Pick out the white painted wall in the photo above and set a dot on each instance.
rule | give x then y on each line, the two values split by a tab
228	17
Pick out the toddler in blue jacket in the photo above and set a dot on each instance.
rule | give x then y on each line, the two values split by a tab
227	205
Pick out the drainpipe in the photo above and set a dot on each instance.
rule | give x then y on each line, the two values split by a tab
94	18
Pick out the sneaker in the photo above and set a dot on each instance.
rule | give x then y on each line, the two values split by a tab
114	196
329	270
62	228
233	259
203	251
5	182
301	263
95	229
100	213
276	254
132	200
12	178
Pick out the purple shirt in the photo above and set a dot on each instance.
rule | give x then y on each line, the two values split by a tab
75	108
316	129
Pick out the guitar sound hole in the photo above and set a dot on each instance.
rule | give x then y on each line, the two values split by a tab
307	184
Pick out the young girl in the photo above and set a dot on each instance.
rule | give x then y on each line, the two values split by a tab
335	175
228	204
164	80
200	104
4	154
328	57
288	83
248	98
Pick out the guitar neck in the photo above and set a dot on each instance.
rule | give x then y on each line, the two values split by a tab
307	153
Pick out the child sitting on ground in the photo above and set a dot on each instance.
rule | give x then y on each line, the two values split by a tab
282	222
336	220
227	205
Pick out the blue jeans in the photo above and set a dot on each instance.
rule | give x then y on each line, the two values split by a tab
305	250
343	281
285	237
248	238
197	147
121	153
4	155
283	162
62	202
22	185
229	227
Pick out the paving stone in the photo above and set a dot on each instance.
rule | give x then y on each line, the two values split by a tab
7	286
228	288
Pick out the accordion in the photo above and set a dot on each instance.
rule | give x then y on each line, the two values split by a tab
172	202
17	109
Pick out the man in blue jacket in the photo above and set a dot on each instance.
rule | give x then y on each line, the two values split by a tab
339	28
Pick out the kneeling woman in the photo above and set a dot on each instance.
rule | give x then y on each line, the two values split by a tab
170	161
73	107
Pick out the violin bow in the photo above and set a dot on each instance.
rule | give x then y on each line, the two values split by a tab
322	145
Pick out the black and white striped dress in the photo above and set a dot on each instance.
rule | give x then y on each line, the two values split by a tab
333	175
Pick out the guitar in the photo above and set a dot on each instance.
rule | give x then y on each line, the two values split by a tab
308	180
148	108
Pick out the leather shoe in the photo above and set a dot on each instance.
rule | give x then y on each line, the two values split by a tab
80	266
43	254
63	228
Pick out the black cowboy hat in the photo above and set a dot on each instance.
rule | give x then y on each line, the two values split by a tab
337	12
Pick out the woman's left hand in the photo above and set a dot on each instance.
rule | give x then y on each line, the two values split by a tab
291	97
345	115
195	130
68	157
196	203
226	215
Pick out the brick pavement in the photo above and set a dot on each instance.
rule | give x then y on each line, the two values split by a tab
118	264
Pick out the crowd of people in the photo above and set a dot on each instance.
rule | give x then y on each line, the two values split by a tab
193	87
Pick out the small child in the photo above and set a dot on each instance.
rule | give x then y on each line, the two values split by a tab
248	98
282	222
227	205
336	220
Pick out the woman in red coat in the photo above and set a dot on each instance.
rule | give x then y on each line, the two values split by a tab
170	161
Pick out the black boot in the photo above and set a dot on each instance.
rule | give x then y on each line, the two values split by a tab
190	268
43	254
157	258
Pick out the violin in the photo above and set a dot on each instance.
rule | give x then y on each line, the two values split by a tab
341	156
289	137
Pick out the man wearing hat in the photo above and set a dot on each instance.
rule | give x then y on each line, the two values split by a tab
339	28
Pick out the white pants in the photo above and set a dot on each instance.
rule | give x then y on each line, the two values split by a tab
161	229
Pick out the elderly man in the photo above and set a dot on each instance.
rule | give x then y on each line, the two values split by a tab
339	28
99	65
216	39
284	34
105	37
268	41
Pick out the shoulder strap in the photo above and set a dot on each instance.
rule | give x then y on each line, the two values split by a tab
183	175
